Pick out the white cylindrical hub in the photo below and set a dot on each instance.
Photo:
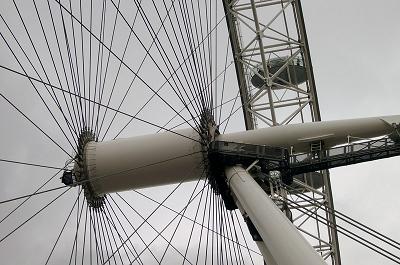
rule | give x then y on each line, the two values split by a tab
144	161
285	245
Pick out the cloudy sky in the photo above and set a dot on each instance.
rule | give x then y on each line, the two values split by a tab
356	62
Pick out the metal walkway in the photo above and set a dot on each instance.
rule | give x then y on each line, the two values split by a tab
276	158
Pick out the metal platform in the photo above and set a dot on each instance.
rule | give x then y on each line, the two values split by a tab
279	159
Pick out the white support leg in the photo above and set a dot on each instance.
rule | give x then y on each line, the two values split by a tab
283	242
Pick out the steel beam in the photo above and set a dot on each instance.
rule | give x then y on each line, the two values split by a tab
283	242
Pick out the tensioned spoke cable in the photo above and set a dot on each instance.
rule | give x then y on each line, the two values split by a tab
144	105
103	237
34	124
96	75
223	247
137	228
166	226
212	218
216	61
127	219
202	69
33	194
53	96
231	113
84	234
30	164
77	224
107	239
109	226
38	57
148	25
181	216
83	74
73	105
147	218
90	240
136	75
223	83
197	95
190	72
90	62
102	105
100	54
202	225
31	217
191	50
208	11
200	62
29	196
72	124
158	234
62	230
99	247
230	234
113	53
105	74
117	75
209	48
119	235
216	225
192	220
35	88
78	221
134	78
208	225
75	84
206	55
99	253
168	63
123	229
201	56
79	87
238	248
216	107
237	238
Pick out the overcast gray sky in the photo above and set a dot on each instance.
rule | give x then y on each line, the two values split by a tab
356	63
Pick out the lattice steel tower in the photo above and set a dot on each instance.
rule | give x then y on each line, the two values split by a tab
277	87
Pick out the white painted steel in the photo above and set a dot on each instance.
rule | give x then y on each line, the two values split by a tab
167	158
299	136
285	245
144	161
